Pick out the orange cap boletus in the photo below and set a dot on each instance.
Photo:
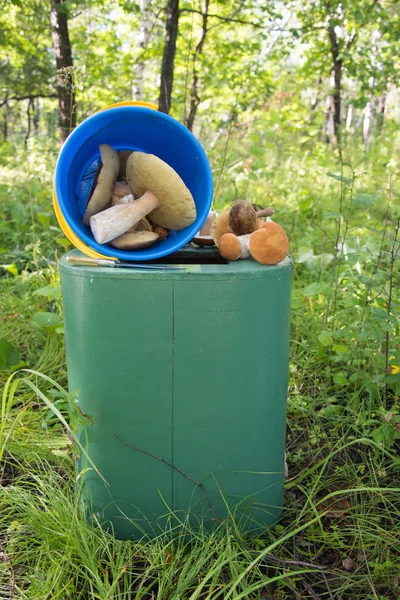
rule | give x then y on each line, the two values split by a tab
269	244
232	247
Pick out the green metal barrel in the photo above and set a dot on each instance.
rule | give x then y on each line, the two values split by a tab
184	375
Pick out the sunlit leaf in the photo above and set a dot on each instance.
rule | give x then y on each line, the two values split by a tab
325	338
48	292
11	269
47	320
346	180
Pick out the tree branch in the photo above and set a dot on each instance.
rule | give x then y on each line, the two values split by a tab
221	18
30	97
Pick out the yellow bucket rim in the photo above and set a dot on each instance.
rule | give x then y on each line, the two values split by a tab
66	229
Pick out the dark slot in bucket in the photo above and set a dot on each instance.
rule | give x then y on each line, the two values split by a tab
189	255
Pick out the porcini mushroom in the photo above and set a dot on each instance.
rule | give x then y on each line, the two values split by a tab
160	193
145	225
135	240
221	226
269	244
123	158
162	233
232	247
204	236
101	193
121	190
243	217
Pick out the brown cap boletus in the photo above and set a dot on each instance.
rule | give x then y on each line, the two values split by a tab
160	193
102	190
269	245
243	217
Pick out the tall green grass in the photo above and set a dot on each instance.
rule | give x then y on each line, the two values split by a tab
340	533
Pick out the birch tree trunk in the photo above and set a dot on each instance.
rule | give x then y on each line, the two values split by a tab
380	117
5	121
65	78
167	66
368	114
194	96
144	34
337	83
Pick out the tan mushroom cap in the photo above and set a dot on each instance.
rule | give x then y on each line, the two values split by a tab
147	172
269	245
221	226
100	198
134	240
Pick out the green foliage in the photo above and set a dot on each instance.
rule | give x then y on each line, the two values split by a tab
9	356
262	82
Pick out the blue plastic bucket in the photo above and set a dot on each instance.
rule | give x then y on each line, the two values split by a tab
131	128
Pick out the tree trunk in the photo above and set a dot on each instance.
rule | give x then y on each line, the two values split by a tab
337	83
380	116
167	67
349	118
328	127
36	114
65	78
5	122
29	117
194	96
368	114
144	34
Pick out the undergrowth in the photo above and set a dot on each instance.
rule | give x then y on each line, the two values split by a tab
340	533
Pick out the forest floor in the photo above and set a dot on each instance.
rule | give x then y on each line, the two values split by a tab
339	537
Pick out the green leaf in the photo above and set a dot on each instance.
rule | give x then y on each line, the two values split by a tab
9	355
340	349
47	320
364	199
346	180
48	292
317	289
340	378
332	215
11	269
63	242
325	338
367	227
44	219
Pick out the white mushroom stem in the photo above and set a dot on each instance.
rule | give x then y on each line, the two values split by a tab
232	247
115	221
244	241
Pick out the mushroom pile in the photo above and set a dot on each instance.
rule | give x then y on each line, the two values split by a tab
240	232
136	199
